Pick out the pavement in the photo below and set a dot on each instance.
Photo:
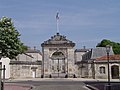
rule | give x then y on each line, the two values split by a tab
14	86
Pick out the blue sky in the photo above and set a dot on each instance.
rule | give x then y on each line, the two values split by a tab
86	22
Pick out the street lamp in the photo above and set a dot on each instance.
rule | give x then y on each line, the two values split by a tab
108	51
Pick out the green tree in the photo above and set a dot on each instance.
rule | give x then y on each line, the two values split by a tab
10	44
115	45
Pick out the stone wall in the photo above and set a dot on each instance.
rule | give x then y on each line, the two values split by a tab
25	71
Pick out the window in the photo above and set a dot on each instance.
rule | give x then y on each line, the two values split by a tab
102	70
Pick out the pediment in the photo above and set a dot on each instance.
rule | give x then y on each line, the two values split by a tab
58	39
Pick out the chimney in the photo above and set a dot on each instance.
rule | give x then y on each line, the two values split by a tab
84	47
34	47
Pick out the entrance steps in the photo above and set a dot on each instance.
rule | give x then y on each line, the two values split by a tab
58	75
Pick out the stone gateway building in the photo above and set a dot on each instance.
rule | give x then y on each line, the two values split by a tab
58	57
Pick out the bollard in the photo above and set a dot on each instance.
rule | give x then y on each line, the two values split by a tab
2	88
0	74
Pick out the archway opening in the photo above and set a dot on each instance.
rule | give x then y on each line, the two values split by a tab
58	64
115	72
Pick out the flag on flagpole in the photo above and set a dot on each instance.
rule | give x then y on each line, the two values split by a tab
57	16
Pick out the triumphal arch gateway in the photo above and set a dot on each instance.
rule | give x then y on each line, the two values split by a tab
58	57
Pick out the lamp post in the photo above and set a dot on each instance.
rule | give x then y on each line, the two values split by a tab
108	51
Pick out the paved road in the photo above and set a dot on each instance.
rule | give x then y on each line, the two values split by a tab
65	83
60	87
56	84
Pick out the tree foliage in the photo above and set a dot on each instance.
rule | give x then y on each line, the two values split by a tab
10	44
115	45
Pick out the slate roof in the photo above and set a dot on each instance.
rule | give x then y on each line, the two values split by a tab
95	53
81	50
30	50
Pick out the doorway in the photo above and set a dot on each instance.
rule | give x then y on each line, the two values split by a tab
115	72
58	64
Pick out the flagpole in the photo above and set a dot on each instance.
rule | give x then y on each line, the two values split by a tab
57	22
57	26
